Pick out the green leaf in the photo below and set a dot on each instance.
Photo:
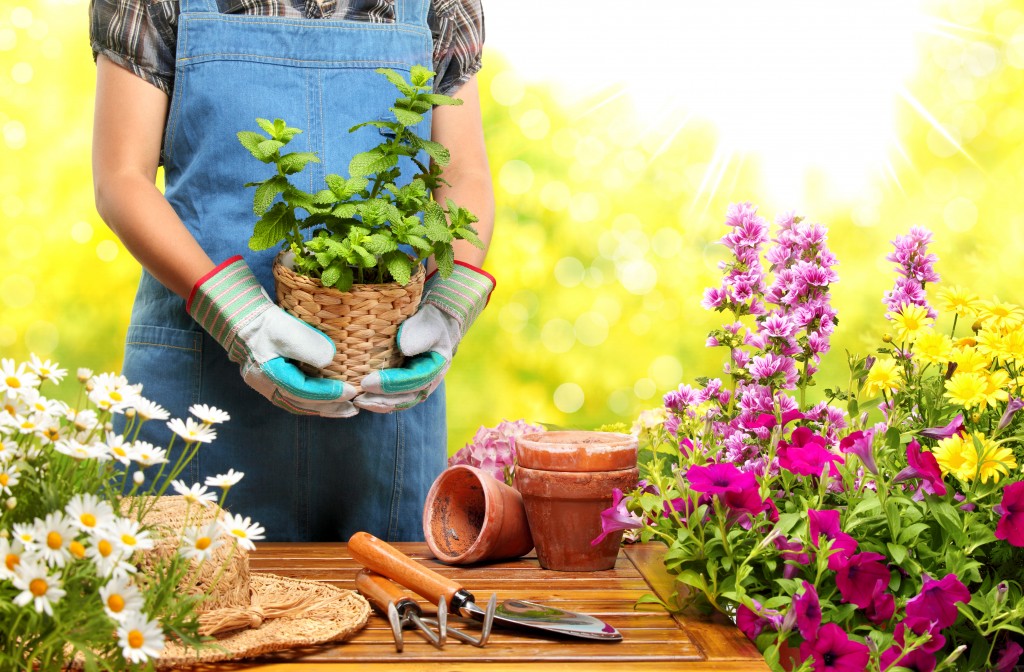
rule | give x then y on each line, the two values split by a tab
468	234
345	210
297	198
399	265
365	258
436	223
332	274
419	243
272	228
380	244
267	126
296	161
397	80
344	282
948	519
438	99
266	150
325	197
435	150
375	212
405	117
394	126
373	161
444	257
649	598
897	552
251	140
266	193
420	76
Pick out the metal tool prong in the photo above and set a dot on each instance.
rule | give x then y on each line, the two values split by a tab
396	626
485	630
442	620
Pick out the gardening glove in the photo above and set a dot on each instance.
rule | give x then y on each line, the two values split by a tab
429	339
232	306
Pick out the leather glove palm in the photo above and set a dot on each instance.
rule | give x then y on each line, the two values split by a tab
232	306
429	339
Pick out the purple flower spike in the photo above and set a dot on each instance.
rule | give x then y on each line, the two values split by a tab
954	427
861	444
1012	406
616	518
921	464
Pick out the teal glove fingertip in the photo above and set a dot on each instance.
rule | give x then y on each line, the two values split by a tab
288	377
418	373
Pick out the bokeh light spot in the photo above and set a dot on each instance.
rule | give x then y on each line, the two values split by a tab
666	371
14	134
17	291
960	214
13	205
590	151
8	39
21	73
534	124
558	335
619	402
594	278
645	388
42	337
8	336
21	17
1015	50
591	329
555	195
516	177
569	397
24	241
81	232
608	306
584	207
506	88
666	242
513	317
107	250
638	277
569	271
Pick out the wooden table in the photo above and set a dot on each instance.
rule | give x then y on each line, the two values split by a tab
652	639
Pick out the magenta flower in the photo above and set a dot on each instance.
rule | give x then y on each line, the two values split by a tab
857	580
826	524
616	518
935	606
793	554
882	606
773	371
751	623
1011	523
808	611
680	505
916	266
833	650
718	479
932	645
805	454
922	465
917	660
954	427
861	444
1008	657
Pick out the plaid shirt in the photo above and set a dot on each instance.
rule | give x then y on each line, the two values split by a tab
141	35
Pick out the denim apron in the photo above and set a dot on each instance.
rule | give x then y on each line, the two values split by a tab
306	478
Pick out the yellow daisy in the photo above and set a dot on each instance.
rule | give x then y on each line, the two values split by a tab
995	388
932	347
991	343
1013	346
909	322
956	299
969	359
996	314
994	462
967	389
952	455
884	376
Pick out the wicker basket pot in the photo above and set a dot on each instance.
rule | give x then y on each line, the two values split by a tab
363	322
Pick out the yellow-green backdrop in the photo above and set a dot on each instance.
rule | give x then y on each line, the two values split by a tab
607	214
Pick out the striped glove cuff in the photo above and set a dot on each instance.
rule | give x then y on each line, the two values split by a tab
226	299
462	295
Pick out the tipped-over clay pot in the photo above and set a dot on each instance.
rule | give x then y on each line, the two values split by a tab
470	516
566	480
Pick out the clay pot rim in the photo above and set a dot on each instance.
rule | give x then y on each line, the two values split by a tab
576	451
480	475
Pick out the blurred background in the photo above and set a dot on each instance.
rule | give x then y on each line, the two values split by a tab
618	134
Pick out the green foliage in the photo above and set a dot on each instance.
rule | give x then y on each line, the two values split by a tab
359	222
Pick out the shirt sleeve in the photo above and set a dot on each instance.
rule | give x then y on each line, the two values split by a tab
458	31
138	35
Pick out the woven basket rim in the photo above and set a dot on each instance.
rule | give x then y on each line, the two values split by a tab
356	286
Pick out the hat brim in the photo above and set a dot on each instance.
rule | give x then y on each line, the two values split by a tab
338	614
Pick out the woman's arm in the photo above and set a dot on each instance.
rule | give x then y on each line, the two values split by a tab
460	129
127	132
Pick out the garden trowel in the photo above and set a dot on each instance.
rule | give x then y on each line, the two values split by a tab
385	559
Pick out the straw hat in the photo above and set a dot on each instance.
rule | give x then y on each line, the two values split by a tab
249	614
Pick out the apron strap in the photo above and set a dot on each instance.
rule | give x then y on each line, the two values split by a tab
410	12
197	6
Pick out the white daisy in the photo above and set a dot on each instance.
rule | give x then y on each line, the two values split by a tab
55	537
28	534
30	423
148	410
46	370
15	379
9	478
9	451
225	481
113	393
108	557
83	374
36	402
140	639
37	586
121	599
192	431
197	494
89	513
50	430
80	451
129	537
211	415
242	529
84	421
198	543
118	448
146	454
10	557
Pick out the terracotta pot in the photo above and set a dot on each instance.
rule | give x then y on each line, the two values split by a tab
470	516
564	501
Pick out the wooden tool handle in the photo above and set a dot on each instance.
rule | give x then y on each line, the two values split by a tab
385	559
380	590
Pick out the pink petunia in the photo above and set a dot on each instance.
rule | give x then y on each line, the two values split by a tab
1011	511
921	465
826	524
808	611
833	651
616	518
858	578
935	606
805	454
719	478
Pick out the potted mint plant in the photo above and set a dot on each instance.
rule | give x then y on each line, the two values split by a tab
352	253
